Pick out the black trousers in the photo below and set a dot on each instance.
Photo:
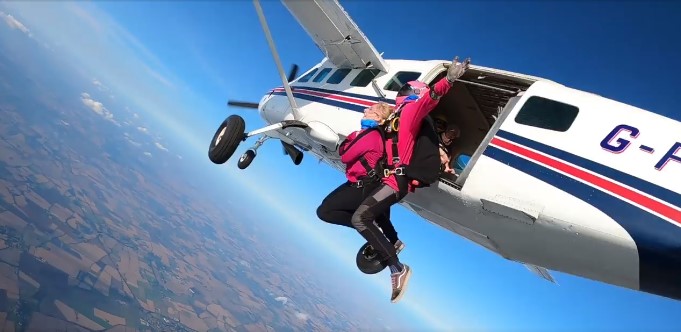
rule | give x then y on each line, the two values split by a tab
339	206
375	204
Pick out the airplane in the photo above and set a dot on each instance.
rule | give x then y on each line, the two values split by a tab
548	176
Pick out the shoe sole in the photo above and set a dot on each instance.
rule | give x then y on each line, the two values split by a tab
404	287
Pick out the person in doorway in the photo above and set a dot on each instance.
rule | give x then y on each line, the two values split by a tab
447	137
415	100
361	152
440	123
446	134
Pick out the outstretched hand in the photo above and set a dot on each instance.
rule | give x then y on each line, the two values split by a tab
456	69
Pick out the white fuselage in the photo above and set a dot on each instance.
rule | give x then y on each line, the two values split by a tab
543	189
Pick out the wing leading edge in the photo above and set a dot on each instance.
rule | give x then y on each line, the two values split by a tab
335	33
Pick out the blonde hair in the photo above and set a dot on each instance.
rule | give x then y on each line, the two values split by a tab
384	110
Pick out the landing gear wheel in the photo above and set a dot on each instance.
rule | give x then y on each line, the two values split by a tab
226	139
368	260
246	159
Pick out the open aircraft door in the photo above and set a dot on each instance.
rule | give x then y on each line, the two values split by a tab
543	113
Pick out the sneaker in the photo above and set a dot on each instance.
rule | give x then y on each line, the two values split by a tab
399	246
399	281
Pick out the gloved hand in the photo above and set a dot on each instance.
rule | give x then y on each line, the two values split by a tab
456	69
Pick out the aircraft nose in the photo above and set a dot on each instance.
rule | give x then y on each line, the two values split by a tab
268	109
262	104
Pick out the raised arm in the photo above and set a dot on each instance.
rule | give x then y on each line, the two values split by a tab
427	103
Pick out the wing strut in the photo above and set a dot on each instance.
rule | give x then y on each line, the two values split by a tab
268	35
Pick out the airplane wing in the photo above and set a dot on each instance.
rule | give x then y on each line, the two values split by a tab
335	33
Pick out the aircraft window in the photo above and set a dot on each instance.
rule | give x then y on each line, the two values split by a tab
338	76
364	77
400	78
307	76
547	114
321	75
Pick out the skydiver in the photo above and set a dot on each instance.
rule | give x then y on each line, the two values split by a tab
360	152
416	101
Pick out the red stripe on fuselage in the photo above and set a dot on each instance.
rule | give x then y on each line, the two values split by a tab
329	96
600	182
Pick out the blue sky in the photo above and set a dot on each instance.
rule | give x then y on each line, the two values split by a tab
175	64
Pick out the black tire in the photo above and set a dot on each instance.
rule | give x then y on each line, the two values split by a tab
234	127
246	159
369	264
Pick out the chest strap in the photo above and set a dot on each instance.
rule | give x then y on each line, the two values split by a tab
392	168
371	171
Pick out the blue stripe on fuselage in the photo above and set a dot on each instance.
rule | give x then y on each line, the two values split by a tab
327	101
621	177
346	94
658	240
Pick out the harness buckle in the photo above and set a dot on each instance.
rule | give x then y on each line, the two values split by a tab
371	173
398	171
359	184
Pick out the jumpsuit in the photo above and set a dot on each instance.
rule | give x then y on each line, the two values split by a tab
388	192
339	206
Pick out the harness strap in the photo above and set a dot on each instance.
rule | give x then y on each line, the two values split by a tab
392	168
356	139
371	171
364	181
444	147
402	185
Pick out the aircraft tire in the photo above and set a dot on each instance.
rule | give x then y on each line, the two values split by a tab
226	139
246	159
369	264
